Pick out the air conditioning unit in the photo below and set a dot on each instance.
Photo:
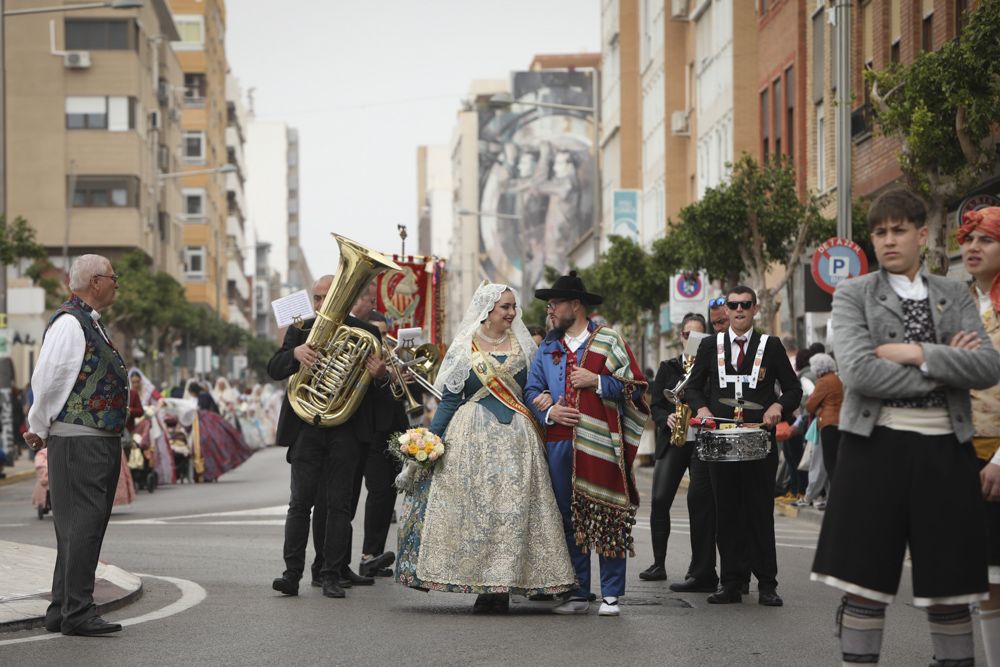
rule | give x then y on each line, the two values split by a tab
155	120
679	123
76	59
678	9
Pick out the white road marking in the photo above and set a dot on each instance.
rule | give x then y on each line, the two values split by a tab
273	510
191	594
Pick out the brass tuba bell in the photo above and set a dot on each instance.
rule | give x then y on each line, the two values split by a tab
330	391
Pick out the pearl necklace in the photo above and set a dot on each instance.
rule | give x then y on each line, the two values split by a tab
494	341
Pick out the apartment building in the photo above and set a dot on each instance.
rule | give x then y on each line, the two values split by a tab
240	301
201	25
434	211
92	125
299	275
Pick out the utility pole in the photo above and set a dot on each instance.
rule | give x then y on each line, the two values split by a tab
842	23
6	364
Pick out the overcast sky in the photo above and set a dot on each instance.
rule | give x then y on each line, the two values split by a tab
366	82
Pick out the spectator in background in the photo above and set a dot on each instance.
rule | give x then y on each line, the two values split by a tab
537	334
824	405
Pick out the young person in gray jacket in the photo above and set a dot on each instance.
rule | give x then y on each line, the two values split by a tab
909	346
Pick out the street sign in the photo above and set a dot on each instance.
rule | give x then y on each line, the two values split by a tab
688	294
836	260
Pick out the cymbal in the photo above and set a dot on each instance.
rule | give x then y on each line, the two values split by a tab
746	405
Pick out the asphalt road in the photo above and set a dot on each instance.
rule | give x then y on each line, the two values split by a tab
208	553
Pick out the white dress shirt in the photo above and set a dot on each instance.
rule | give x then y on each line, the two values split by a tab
905	288
734	349
59	364
985	302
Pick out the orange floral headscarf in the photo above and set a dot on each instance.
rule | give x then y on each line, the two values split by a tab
987	221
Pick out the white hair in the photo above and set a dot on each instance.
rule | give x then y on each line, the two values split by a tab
83	270
822	364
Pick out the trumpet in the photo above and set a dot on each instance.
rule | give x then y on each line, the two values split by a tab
420	363
682	412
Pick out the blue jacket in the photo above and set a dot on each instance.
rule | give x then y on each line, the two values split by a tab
545	375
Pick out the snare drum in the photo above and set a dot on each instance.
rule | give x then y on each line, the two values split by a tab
733	444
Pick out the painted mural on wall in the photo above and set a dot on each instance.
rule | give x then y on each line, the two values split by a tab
536	171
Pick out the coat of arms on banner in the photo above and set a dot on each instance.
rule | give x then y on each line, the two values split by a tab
400	294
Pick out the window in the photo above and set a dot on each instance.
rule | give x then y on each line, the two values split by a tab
194	262
191	28
961	7
765	117
194	203
194	146
820	147
834	56
819	57
790	111
776	106
195	85
106	191
867	32
100	113
895	29
927	27
86	34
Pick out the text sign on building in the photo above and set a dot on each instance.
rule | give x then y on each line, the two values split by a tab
836	260
688	294
625	214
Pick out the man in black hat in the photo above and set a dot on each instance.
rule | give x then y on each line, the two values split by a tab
586	388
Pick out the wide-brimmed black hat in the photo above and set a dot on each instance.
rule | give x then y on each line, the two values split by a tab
569	287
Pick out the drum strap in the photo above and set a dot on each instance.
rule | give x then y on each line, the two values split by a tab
739	380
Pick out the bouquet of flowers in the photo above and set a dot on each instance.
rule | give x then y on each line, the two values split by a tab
417	445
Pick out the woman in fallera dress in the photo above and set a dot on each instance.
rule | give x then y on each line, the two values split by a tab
484	520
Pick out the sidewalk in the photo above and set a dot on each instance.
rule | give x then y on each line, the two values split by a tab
23	468
26	581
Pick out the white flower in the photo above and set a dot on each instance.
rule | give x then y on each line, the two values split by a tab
421	455
404	439
404	448
439	449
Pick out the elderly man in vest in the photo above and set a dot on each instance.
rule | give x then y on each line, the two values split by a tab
81	396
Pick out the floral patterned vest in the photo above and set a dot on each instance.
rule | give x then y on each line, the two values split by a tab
100	396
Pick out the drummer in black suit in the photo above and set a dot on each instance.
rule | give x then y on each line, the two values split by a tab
733	365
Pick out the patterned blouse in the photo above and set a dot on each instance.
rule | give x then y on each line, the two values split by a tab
919	328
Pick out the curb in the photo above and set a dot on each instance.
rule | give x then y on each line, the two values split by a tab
17	477
114	588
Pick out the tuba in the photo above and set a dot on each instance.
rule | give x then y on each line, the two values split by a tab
328	392
678	435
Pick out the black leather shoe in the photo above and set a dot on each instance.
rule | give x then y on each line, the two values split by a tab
501	603
769	598
286	586
690	585
483	604
654	573
317	583
94	627
384	572
725	596
349	578
332	589
54	626
368	566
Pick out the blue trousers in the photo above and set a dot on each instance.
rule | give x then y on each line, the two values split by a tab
612	569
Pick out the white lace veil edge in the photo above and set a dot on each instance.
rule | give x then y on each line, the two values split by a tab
457	363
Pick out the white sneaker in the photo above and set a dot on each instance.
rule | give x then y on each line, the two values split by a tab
570	607
609	607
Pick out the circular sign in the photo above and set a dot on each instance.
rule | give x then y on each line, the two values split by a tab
836	260
688	286
975	203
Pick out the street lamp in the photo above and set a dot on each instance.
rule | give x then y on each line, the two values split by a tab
6	367
506	100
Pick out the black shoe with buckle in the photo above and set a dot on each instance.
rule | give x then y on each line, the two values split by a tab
769	598
286	586
725	596
692	585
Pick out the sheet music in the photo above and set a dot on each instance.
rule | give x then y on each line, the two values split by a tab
693	341
409	337
294	306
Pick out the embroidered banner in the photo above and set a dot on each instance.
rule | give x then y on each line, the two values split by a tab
413	297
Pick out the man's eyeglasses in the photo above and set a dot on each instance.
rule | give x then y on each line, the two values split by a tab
114	277
736	305
717	302
552	305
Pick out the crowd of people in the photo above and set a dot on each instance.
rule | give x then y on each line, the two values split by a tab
893	431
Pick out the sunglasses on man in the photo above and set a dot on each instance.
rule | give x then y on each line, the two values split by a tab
736	305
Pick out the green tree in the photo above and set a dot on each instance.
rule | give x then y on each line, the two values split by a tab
535	313
944	108
747	226
17	241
